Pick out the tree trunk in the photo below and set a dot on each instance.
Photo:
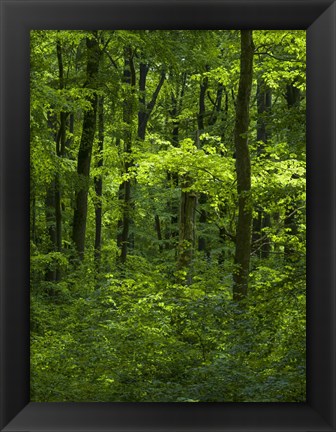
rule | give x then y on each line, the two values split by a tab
221	256
263	220
187	226
243	168
125	187
173	179
98	183
188	204
217	105
58	220
85	147
291	230
50	275
202	245
201	103
266	244
69	141
50	205
60	151
293	100
53	197
146	109
256	233
144	114
158	232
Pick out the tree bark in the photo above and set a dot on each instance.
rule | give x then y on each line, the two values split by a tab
173	178
202	246
187	226
263	220
158	231
243	168
291	230
202	243
293	97
144	114
60	151
217	105
98	184
53	197
201	103
146	108
188	205
85	148
221	256
125	187
50	275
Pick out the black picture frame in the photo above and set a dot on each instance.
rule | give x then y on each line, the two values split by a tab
18	17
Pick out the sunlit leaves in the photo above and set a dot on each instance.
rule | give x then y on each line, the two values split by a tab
139	332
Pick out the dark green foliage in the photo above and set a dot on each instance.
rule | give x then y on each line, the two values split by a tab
146	311
146	339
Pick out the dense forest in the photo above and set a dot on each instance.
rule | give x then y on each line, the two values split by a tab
167	216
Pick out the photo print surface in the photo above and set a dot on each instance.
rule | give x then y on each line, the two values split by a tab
168	216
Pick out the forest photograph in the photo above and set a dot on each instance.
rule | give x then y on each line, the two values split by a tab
168	215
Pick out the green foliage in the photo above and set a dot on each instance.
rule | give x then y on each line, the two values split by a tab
149	330
145	339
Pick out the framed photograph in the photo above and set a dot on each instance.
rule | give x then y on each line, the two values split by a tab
168	215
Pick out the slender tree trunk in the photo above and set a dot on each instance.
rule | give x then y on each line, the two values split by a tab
217	105
145	111
188	204
266	246
263	220
243	168
125	187
98	183
69	141
293	96
225	114
176	123
256	232
201	104
142	113
187	226
158	231
293	100
202	245
53	197
60	151
50	206
291	230
218	108
173	179
221	257
50	275
85	147
58	220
